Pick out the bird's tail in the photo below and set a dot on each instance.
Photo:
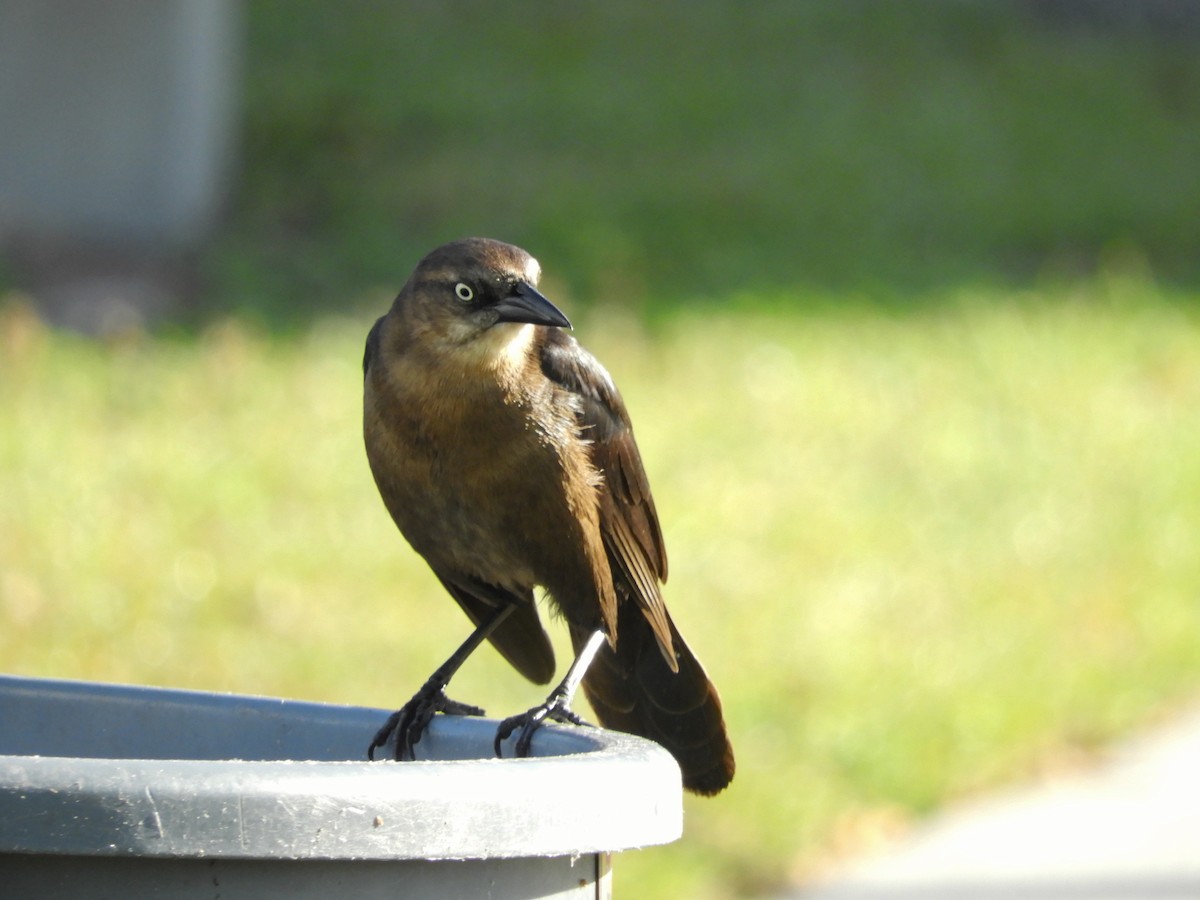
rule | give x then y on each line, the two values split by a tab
632	689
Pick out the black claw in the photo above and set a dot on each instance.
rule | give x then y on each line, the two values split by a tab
382	735
407	724
502	733
454	708
555	709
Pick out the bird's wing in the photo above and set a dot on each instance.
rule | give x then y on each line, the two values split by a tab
628	521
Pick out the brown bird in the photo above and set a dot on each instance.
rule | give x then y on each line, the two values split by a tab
503	451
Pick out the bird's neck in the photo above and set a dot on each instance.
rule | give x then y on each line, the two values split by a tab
493	361
507	349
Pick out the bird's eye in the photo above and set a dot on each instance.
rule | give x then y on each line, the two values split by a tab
464	292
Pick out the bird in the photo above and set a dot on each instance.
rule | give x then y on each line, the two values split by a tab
505	455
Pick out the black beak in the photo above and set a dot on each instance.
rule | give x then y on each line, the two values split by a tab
524	304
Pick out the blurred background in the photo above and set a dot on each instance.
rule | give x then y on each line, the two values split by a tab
902	299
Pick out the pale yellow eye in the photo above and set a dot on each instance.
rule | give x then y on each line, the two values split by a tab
464	292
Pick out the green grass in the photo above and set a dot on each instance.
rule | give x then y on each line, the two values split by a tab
649	154
921	552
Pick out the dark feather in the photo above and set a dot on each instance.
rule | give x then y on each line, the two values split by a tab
372	349
628	521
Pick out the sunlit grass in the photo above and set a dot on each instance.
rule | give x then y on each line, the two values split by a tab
920	553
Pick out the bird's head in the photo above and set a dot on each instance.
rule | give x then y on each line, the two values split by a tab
469	289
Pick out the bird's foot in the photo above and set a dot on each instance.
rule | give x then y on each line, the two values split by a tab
407	724
556	708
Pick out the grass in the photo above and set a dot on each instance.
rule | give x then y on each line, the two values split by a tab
879	283
650	154
922	552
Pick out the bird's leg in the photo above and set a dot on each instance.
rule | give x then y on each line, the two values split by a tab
557	706
409	722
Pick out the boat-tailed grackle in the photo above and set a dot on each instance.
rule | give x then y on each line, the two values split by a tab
505	455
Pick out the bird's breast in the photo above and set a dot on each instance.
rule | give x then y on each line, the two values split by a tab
478	476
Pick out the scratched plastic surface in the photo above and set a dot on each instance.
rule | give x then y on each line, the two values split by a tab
113	772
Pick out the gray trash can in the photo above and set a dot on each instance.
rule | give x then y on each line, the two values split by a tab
121	791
